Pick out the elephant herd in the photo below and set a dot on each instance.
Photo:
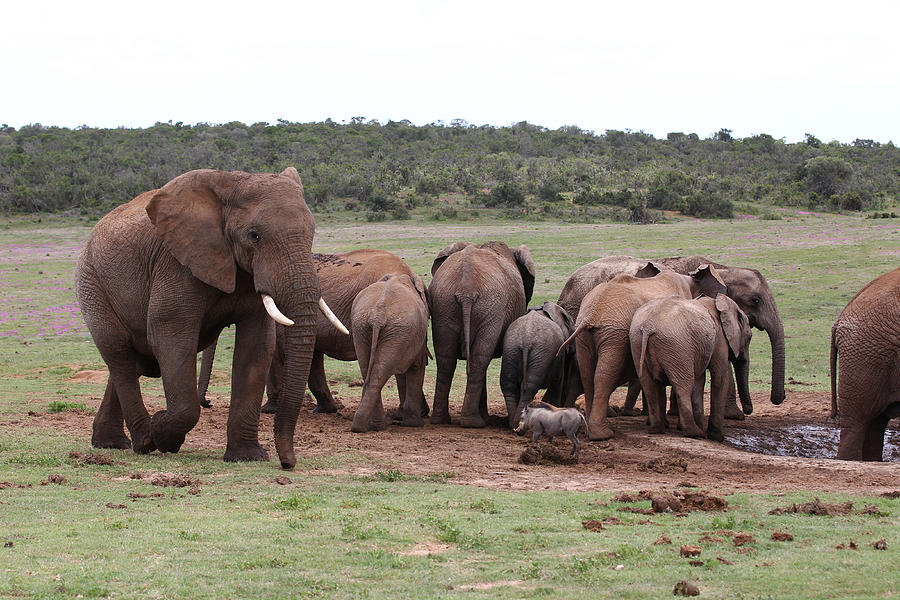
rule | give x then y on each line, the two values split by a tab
162	275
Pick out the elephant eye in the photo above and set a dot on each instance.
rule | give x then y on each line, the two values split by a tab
755	300
254	237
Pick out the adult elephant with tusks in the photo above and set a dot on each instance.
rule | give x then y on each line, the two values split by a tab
475	293
161	276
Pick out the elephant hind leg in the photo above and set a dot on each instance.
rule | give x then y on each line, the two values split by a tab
108	427
873	442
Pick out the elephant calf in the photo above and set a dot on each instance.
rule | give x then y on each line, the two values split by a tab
543	419
530	362
390	326
674	341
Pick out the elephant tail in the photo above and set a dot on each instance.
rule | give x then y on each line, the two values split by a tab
833	372
645	337
581	327
584	423
524	383
465	305
376	327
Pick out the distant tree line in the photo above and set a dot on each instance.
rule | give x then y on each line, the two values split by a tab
385	170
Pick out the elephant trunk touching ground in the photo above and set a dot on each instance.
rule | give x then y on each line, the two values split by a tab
297	293
774	328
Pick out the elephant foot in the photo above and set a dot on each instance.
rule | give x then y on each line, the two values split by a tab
269	408
472	421
715	435
440	418
734	413
656	429
600	433
412	421
327	407
120	441
695	433
206	403
611	411
165	441
629	412
245	453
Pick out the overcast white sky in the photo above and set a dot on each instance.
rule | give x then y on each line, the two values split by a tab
783	68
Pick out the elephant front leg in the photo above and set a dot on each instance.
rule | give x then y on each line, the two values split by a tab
254	344
634	390
732	410
318	385
715	427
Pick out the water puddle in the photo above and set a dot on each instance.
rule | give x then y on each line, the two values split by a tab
805	441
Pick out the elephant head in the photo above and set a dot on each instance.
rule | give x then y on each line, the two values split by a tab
216	223
736	327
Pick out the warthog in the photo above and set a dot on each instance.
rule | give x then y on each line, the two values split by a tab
544	419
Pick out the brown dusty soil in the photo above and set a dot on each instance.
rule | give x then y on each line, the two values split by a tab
490	457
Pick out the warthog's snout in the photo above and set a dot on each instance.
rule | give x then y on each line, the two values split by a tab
520	429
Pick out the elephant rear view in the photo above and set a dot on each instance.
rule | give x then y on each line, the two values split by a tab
390	330
530	362
865	368
475	293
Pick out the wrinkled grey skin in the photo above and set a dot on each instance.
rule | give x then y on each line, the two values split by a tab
160	276
390	329
543	419
530	362
476	292
341	277
747	287
865	368
674	341
602	346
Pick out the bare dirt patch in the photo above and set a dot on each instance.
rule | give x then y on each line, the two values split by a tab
490	457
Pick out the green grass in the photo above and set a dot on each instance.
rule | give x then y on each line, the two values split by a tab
336	536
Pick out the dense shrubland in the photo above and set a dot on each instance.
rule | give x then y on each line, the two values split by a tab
385	170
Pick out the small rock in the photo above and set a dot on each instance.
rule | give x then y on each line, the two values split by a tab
685	588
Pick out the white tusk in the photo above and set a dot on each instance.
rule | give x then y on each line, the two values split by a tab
331	317
273	311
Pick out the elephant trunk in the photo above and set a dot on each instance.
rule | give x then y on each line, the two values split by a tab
776	338
742	376
301	304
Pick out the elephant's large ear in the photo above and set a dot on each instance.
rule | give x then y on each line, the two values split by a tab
187	213
708	281
730	317
651	269
526	270
420	288
292	173
443	254
559	316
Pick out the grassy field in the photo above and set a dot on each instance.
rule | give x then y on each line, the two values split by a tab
73	528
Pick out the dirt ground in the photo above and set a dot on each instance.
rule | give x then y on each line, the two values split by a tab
632	460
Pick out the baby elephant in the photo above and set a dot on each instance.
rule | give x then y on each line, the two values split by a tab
543	419
674	341
530	362
390	323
